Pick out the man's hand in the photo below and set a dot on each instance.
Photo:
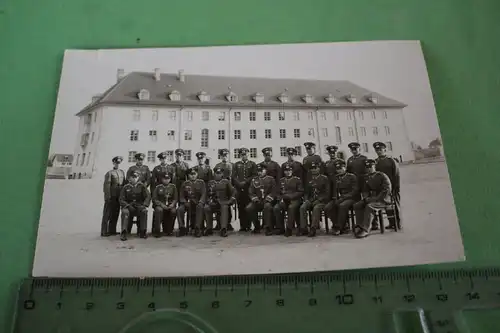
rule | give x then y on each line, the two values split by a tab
255	199
286	196
232	201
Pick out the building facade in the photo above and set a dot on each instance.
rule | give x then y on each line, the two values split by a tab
140	116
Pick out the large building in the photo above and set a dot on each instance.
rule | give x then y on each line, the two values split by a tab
155	112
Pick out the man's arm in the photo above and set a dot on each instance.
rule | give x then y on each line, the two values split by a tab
107	186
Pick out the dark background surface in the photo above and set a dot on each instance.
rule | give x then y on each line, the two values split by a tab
461	46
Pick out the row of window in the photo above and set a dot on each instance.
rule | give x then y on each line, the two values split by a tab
84	161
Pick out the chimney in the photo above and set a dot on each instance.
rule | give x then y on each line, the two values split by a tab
120	73
181	77
157	74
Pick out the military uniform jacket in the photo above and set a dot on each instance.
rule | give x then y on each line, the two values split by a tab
158	172
347	186
378	187
356	165
243	173
263	188
273	170
204	172
180	171
390	167
318	189
144	173
194	191
291	188
113	183
135	195
330	169
227	168
221	191
297	168
165	195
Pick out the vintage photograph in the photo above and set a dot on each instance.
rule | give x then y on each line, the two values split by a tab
245	160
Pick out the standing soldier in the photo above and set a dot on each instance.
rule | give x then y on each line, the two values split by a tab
227	173
141	169
310	159
180	169
346	195
376	196
390	167
113	183
356	163
192	201
134	201
203	170
243	173
317	195
272	167
160	170
262	193
291	190
220	196
330	168
164	205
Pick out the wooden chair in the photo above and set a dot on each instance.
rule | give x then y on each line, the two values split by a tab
390	211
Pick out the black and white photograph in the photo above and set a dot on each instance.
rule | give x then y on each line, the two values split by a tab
245	160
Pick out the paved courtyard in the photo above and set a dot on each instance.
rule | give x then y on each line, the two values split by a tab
69	244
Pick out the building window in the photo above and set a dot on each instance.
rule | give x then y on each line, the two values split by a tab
136	115
310	115
205	116
296	115
389	145
204	138
365	147
296	132
222	135
203	96
237	116
131	156
325	132
143	94
299	150
363	131
258	98
283	98
283	151
155	115
88	160
77	159
88	119
281	116
83	159
222	116
387	130
323	115
171	135
253	134
361	115
173	114
237	134
151	156
253	152
153	135
267	134
338	134
232	97
236	153
95	117
92	137
336	115
282	133
190	115
252	116
351	131
375	131
134	135
267	116
187	155
385	114
374	116
188	135
310	132
175	96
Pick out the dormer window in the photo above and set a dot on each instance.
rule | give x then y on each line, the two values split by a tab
330	99
174	96
283	98
307	98
372	98
351	98
203	96
232	97
143	95
258	98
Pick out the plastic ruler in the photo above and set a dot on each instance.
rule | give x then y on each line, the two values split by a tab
447	301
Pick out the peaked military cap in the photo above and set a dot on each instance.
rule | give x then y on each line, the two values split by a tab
224	151
332	149
369	162
200	154
243	150
291	151
309	145
314	165
339	163
192	171
287	167
267	151
378	145
162	155
353	145
134	174
261	166
139	156
218	170
179	152
117	159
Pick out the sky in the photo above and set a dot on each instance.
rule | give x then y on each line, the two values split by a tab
395	69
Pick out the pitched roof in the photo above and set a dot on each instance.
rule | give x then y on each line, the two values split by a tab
125	92
62	158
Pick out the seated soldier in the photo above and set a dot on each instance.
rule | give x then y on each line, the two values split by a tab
134	201
221	195
347	195
191	200
261	192
376	196
164	204
290	193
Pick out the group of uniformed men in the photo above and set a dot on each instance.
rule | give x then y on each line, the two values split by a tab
288	192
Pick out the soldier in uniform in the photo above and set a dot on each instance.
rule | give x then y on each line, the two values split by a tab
160	170
346	195
390	167
134	201
180	169
330	168
141	169
113	183
244	171
291	191
356	163
203	170
376	196
192	201
317	195
227	173
272	167
262	194
164	205
220	196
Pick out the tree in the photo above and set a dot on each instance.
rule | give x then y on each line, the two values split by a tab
436	143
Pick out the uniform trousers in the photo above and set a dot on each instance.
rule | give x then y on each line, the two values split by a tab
195	211
129	212
260	206
164	217
338	212
316	209
366	213
222	211
292	208
110	213
243	200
